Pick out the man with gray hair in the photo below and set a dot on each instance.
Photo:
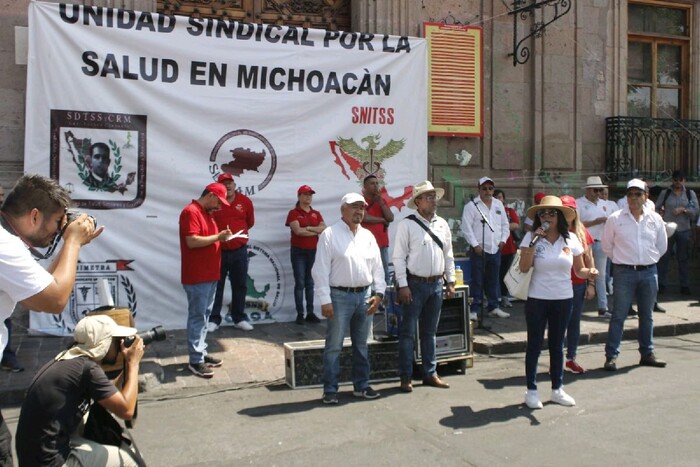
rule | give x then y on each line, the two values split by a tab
348	267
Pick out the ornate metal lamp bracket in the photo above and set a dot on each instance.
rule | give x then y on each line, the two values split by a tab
549	11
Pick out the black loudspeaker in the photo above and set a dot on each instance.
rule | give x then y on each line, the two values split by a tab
303	362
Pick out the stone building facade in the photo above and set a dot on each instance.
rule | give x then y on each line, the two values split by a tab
544	120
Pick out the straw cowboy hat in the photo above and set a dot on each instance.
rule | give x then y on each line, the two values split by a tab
595	182
421	188
552	202
93	337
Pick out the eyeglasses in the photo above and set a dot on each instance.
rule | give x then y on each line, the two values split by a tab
598	190
635	194
488	188
547	212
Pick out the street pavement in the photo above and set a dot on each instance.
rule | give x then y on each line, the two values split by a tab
256	358
637	416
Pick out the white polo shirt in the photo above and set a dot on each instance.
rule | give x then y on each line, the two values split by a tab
552	263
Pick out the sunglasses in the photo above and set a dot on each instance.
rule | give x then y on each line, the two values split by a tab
598	190
488	188
547	212
634	194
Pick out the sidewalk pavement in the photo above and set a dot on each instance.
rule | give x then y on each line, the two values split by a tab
257	357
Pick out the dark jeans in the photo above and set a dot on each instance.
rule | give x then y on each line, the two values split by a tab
5	444
680	244
424	309
485	281
302	262
553	315
573	330
234	264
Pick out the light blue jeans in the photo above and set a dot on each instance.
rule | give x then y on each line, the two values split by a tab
200	299
426	302
600	264
631	284
349	310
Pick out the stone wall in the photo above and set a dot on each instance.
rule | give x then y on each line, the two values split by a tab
543	121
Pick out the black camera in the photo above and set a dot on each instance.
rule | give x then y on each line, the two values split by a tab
73	214
155	334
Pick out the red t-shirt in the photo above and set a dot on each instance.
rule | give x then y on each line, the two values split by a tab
198	264
510	247
238	216
305	219
379	230
575	280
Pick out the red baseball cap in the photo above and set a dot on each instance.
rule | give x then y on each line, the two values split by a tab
223	177
538	197
568	201
220	191
305	189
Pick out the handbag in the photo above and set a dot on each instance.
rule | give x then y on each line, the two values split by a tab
518	282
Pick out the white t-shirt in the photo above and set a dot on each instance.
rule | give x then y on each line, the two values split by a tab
21	277
552	263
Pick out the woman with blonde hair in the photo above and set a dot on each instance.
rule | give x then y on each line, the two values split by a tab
583	289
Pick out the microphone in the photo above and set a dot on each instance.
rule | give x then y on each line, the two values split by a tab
536	238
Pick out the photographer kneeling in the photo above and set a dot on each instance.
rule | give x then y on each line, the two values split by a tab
49	428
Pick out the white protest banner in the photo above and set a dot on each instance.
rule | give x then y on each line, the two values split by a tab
176	101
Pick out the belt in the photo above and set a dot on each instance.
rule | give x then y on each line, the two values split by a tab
635	267
350	289
427	280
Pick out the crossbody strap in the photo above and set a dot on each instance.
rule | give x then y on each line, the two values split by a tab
430	232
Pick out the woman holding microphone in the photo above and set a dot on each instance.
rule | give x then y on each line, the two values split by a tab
551	251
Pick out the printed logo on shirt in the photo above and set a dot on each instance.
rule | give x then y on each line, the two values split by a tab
248	156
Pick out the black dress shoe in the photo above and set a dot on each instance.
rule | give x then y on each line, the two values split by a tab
659	309
406	385
651	360
300	319
632	312
312	318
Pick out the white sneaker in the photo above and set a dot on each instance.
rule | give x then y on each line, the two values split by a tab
473	316
505	302
532	400
562	398
243	326
498	313
211	326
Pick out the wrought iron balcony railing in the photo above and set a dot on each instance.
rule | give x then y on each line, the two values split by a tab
651	148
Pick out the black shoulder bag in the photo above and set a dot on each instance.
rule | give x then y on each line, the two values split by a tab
430	232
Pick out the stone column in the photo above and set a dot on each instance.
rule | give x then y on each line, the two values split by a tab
397	17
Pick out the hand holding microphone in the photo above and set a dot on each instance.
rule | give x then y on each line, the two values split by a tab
539	233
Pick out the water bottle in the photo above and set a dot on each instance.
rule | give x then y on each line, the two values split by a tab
459	275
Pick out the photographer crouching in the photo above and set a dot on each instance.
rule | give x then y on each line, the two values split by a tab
49	431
